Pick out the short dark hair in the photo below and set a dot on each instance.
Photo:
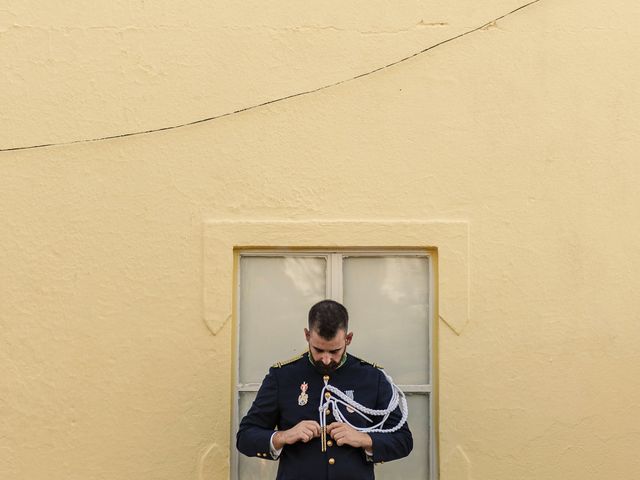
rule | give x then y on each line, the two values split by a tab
327	317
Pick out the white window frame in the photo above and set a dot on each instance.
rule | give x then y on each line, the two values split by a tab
334	291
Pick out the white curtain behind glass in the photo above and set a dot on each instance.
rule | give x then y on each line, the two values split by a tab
275	296
388	303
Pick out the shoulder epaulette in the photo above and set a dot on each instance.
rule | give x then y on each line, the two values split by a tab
287	362
374	365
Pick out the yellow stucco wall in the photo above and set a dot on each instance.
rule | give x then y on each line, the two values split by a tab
526	131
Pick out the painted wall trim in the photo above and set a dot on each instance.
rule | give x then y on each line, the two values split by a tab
449	237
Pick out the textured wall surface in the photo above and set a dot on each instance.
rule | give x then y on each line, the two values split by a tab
526	129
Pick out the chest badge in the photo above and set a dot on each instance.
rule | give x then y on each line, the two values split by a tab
303	398
349	393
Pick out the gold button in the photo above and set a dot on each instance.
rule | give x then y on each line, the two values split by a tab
326	378
327	412
329	443
327	395
331	461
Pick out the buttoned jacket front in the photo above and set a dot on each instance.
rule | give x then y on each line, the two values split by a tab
277	405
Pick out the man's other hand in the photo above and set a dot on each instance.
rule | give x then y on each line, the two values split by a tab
344	434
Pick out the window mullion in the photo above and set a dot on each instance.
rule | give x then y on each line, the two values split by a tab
336	276
328	277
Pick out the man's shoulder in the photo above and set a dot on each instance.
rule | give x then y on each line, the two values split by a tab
291	361
365	363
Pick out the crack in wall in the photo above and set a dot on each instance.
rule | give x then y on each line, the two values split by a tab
296	29
102	28
382	31
488	25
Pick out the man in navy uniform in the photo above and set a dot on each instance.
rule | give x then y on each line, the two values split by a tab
283	423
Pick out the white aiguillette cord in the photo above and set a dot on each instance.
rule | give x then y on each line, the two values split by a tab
328	400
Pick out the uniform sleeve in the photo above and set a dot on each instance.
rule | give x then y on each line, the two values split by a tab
257	426
390	446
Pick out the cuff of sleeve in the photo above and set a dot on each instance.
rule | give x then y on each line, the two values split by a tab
275	453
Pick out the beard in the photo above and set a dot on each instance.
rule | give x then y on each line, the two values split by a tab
333	365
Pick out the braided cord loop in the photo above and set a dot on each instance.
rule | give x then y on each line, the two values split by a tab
337	397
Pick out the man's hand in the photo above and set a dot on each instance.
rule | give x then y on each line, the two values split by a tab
302	432
344	434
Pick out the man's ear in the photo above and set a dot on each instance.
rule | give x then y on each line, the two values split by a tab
349	337
306	334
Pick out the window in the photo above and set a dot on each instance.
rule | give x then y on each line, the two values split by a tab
389	295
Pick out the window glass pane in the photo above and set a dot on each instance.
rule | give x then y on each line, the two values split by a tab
253	468
416	465
275	296
388	303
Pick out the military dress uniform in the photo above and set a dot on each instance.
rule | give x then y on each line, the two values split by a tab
279	404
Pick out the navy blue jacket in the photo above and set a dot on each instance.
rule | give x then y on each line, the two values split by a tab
276	405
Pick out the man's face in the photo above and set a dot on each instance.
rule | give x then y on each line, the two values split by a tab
326	354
